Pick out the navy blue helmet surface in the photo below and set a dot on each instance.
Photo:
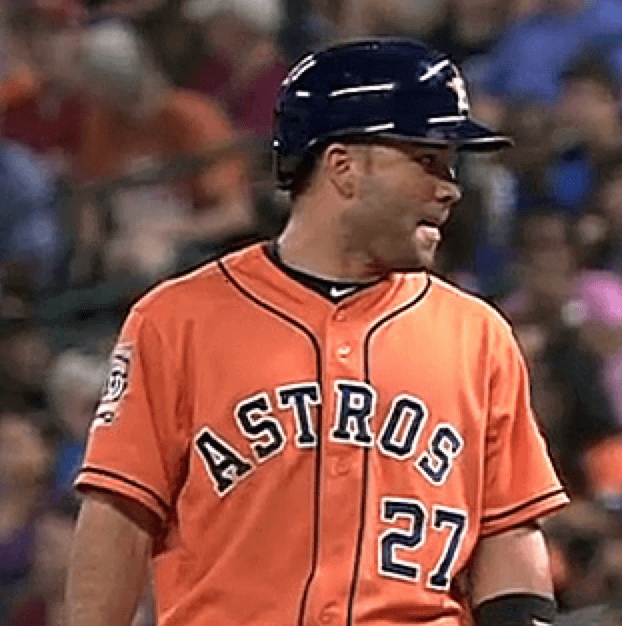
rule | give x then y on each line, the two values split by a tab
396	88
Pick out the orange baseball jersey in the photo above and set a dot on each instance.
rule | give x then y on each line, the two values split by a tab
317	463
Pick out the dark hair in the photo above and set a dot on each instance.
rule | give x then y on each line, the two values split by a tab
544	211
22	20
14	326
41	421
592	65
609	168
303	175
305	169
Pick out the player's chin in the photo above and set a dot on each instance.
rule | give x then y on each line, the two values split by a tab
416	261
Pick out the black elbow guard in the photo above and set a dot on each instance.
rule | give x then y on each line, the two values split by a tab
515	609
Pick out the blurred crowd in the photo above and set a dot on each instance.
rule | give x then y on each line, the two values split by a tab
135	144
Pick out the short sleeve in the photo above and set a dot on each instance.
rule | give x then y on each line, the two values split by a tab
136	444
520	482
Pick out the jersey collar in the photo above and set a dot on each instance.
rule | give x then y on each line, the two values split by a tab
262	279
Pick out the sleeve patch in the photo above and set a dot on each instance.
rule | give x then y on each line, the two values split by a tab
116	382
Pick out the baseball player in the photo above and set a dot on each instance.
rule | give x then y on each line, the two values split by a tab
318	430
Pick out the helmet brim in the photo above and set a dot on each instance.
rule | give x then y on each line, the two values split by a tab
465	135
472	136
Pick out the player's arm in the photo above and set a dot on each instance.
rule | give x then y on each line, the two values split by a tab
511	579
108	561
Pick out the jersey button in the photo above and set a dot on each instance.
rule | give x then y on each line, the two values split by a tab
340	467
340	316
328	614
344	350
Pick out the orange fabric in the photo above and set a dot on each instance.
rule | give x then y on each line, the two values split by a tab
289	511
17	88
186	124
604	466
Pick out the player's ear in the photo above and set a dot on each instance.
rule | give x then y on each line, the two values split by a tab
340	165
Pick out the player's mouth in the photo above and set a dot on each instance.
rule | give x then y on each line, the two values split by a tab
435	220
428	230
428	234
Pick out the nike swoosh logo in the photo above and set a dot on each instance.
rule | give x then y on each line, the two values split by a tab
538	622
336	292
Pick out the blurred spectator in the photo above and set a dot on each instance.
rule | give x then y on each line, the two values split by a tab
587	300
74	385
43	123
589	130
42	604
44	44
126	8
470	28
601	229
569	309
532	54
309	25
559	156
398	17
246	68
589	105
490	211
137	122
31	230
176	43
25	459
26	355
584	542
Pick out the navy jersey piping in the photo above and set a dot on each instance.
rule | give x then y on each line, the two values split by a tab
318	452
111	474
524	505
365	486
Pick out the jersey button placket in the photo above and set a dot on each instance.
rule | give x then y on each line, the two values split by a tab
340	467
328	614
344	350
341	475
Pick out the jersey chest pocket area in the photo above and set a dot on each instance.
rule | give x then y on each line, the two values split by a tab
398	547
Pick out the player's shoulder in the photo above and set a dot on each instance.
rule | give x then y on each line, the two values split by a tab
199	290
468	304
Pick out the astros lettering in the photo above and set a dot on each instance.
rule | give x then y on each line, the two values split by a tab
356	405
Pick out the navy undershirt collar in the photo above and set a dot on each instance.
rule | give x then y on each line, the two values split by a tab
333	290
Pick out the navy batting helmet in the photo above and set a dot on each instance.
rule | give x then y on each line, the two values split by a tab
395	88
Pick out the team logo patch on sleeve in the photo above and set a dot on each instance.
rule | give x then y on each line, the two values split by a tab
116	383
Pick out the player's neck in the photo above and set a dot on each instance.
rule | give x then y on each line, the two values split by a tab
322	250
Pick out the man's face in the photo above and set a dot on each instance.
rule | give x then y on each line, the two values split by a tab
585	105
24	455
406	193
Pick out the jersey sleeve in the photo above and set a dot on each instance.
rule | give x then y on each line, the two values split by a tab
520	482
136	442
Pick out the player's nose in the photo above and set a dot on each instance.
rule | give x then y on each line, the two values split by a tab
448	192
